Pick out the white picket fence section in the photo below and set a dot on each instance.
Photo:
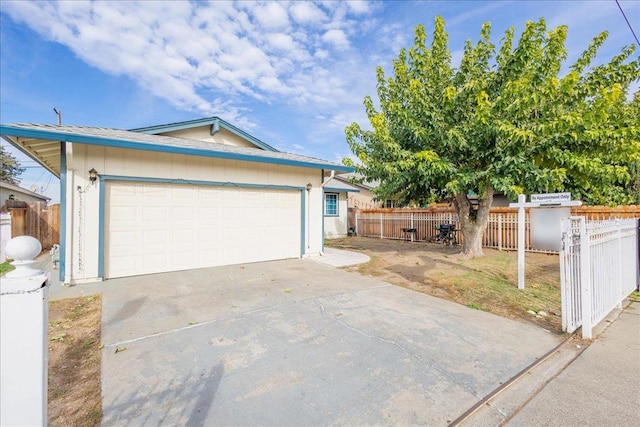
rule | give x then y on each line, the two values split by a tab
501	232
599	268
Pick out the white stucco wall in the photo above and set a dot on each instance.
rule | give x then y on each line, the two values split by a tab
336	226
82	230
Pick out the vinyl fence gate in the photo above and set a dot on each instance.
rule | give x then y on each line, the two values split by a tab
598	269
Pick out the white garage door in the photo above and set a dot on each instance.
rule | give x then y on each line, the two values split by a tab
153	228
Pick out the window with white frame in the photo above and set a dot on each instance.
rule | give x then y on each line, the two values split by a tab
331	204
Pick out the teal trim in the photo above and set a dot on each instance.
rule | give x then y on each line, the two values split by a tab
134	145
337	205
118	178
303	228
101	225
323	236
196	182
340	190
322	180
215	122
63	212
215	127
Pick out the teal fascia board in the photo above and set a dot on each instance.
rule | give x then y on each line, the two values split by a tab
101	225
340	190
133	145
63	212
215	122
105	178
303	216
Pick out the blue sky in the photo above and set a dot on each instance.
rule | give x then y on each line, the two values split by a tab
293	74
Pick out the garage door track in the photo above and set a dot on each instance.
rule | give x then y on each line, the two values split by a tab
298	343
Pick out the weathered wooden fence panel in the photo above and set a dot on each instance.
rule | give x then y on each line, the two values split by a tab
35	219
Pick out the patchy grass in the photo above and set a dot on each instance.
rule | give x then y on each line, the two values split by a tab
488	283
74	362
5	267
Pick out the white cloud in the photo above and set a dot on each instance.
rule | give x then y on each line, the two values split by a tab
337	38
271	15
359	7
307	13
281	41
184	51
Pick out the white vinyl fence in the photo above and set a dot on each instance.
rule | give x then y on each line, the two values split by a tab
598	269
501	233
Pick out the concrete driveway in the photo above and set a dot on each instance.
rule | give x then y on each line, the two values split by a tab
298	343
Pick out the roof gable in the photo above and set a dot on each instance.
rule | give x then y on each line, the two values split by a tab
215	125
31	137
336	184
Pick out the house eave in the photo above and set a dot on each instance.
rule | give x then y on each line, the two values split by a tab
48	136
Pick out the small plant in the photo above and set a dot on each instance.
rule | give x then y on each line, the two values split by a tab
474	306
5	267
635	296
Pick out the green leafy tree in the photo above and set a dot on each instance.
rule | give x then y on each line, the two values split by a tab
503	121
10	169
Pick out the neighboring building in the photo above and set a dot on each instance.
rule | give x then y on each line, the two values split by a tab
16	193
180	196
363	197
13	204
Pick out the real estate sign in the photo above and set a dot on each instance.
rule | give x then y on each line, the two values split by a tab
550	198
546	227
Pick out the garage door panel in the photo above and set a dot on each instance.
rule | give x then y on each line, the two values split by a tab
152	228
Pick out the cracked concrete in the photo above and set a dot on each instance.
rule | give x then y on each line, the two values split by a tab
298	343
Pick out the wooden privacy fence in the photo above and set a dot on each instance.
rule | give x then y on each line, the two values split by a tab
35	219
501	233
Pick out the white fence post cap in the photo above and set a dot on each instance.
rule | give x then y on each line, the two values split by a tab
23	250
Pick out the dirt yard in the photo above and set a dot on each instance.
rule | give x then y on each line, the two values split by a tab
74	362
488	283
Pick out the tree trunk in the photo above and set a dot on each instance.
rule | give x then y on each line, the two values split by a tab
473	222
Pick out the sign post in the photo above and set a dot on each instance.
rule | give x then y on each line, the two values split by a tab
522	199
537	201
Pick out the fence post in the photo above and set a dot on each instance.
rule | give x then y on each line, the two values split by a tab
619	297
564	248
585	279
23	337
499	232
357	220
521	225
381	232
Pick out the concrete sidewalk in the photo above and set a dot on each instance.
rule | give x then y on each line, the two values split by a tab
339	258
601	387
